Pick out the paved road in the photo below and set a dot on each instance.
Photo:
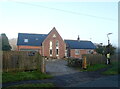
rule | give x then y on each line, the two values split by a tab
69	77
109	81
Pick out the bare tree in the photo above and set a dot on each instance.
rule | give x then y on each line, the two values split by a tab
13	43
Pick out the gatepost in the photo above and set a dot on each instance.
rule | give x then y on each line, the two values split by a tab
84	63
43	65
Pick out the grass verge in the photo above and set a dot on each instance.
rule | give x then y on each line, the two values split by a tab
42	85
20	76
114	70
95	67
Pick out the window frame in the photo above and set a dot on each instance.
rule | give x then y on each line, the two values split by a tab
77	52
50	44
57	43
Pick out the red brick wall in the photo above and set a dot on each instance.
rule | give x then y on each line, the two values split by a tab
46	44
82	51
30	47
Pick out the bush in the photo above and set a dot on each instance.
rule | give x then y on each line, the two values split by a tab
74	62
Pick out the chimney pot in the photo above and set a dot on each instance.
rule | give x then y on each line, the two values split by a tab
78	38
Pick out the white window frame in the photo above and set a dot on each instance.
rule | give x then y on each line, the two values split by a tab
54	36
50	44
57	44
77	52
65	53
50	48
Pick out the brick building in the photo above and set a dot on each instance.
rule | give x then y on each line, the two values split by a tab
52	45
76	48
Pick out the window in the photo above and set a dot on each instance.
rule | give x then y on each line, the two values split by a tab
77	52
66	53
56	51
50	52
50	44
25	40
57	43
90	52
36	39
50	48
54	36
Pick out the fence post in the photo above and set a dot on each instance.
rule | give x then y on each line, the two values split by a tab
84	63
43	70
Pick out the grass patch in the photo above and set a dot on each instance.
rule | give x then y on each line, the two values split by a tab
114	70
96	67
32	85
20	76
42	85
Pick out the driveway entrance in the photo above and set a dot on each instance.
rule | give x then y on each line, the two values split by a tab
57	67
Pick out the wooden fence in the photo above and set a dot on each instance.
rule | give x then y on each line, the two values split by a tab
21	61
98	58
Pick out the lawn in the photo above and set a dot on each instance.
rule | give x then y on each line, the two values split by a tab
42	85
20	76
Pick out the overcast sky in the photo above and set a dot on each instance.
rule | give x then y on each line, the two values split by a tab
90	20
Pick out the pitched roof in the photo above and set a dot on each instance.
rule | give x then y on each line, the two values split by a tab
75	44
33	39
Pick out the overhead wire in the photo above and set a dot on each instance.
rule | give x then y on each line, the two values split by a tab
66	11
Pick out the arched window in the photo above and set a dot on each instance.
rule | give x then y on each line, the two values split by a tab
57	43
57	48
50	44
50	48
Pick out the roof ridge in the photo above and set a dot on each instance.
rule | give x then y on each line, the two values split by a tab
52	29
68	39
75	40
33	33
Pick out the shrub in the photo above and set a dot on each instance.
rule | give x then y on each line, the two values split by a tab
74	62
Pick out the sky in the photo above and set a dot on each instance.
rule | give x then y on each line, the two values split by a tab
90	20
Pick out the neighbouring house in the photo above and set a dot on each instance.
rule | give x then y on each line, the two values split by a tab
76	48
49	45
52	45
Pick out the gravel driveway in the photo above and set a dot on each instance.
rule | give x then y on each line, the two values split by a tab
58	67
